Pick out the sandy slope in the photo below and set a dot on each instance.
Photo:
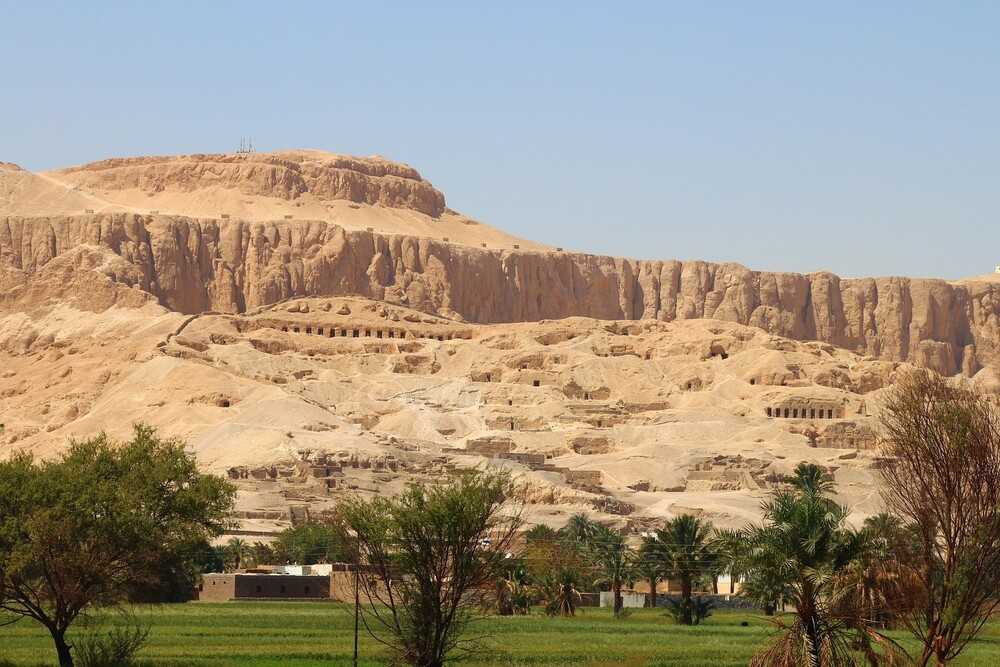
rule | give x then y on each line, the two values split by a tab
667	424
27	193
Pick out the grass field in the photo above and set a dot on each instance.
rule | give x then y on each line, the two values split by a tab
307	634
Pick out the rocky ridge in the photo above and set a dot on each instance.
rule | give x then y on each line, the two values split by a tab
286	175
194	265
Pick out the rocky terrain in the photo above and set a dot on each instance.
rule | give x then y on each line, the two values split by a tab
314	325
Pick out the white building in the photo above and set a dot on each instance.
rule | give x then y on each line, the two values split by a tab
629	600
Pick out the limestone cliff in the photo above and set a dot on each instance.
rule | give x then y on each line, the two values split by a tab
285	175
194	265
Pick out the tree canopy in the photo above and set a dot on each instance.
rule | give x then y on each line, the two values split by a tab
431	557
78	531
314	542
804	553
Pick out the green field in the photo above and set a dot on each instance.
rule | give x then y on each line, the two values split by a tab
300	634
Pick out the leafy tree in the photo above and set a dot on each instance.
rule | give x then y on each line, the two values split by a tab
684	549
178	572
262	554
540	534
553	554
942	443
803	552
78	531
314	542
430	557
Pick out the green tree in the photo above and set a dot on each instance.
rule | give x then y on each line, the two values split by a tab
812	479
262	554
76	532
314	542
178	573
237	553
431	557
650	567
551	555
540	533
578	529
730	549
685	550
608	553
804	552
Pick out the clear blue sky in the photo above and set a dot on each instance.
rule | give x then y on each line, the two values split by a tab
844	136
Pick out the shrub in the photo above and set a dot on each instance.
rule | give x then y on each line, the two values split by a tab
115	648
697	609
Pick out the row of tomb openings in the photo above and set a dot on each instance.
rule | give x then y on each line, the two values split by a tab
796	413
332	332
600	423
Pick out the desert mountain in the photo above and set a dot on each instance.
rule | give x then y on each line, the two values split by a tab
316	324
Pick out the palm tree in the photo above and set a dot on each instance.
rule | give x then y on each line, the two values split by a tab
730	547
558	593
505	597
802	553
685	549
886	583
650	567
811	478
579	528
609	554
237	551
540	533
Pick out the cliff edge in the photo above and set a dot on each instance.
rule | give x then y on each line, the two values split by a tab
195	265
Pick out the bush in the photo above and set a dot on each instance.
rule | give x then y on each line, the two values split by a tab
701	608
116	648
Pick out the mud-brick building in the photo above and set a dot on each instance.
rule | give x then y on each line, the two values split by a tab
239	586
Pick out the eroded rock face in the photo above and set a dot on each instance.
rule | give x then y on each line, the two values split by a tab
287	175
195	265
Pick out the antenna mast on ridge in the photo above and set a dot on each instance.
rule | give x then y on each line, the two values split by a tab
246	146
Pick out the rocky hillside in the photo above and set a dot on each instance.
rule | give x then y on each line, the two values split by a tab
287	175
308	400
315	325
227	265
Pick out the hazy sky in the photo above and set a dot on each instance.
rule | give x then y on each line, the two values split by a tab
858	139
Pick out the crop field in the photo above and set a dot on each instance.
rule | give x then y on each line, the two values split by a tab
304	634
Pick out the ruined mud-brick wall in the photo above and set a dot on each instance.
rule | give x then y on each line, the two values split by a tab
193	265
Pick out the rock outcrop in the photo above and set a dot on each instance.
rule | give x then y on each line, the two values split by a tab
194	265
286	175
